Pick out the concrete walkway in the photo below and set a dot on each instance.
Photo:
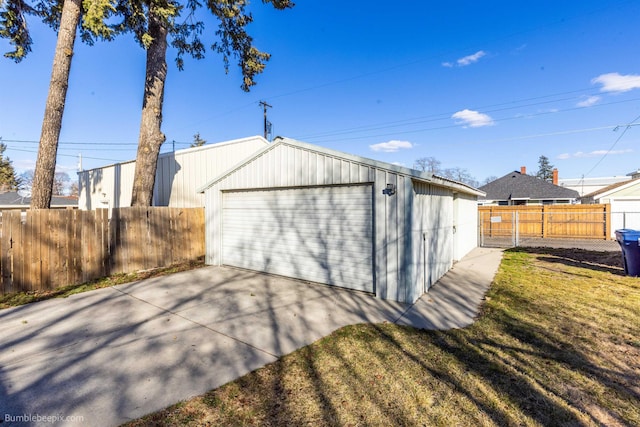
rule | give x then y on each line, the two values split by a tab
108	356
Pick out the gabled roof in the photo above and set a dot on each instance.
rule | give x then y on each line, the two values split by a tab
518	186
603	192
11	199
412	173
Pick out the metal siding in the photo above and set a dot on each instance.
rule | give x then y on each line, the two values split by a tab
321	234
466	234
399	221
178	176
392	239
381	238
435	228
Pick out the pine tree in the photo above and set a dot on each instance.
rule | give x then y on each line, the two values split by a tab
152	23
197	141
545	169
65	17
8	179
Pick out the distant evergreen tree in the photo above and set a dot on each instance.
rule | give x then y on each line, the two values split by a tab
8	179
197	141
545	169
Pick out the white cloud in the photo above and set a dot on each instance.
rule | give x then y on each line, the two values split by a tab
466	60
588	102
595	153
617	83
470	59
391	146
472	118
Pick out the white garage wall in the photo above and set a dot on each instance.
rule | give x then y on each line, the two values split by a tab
106	187
179	175
433	228
466	225
291	164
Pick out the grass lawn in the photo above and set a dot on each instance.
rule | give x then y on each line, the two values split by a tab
557	343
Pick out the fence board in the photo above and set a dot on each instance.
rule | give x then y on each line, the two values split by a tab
46	249
548	221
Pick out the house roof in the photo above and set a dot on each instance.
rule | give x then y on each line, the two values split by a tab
603	192
414	174
518	186
11	199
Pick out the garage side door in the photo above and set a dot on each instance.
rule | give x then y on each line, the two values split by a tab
321	234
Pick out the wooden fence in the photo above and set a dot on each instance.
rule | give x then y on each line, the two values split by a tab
548	221
46	249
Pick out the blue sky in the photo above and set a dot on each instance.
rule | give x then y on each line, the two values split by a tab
483	86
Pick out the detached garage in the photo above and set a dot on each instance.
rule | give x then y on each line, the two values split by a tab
318	215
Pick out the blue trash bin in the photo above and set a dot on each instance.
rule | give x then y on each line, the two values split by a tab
629	241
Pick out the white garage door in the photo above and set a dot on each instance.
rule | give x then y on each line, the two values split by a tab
321	234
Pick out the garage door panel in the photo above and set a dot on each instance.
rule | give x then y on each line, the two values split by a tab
283	225
311	248
319	234
345	278
319	252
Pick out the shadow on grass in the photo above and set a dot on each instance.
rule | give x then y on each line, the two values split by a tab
530	359
610	262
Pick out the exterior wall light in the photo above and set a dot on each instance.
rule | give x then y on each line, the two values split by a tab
390	190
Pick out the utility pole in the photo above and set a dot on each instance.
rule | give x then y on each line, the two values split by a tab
267	124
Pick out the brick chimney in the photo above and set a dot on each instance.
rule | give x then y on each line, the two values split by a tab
555	177
523	170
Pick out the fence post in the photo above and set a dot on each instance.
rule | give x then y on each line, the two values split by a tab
517	228
481	228
607	221
545	221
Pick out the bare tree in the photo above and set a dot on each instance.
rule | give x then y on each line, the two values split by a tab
489	179
460	175
428	164
60	183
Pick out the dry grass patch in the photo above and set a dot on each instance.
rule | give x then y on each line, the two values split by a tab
557	343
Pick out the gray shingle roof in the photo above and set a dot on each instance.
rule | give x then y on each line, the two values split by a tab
515	186
12	198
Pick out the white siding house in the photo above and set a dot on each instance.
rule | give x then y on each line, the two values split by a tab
178	177
624	198
319	215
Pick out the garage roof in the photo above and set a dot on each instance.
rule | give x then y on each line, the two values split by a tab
414	174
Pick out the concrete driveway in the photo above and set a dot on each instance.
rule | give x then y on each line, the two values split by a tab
108	356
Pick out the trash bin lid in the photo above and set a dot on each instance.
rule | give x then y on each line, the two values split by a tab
628	235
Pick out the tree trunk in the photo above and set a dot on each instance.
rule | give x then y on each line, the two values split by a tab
52	122
151	137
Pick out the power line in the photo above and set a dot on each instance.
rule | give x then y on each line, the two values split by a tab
427	129
626	128
65	155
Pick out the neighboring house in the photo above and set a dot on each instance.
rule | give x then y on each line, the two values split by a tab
586	186
319	215
179	174
518	188
624	198
12	200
